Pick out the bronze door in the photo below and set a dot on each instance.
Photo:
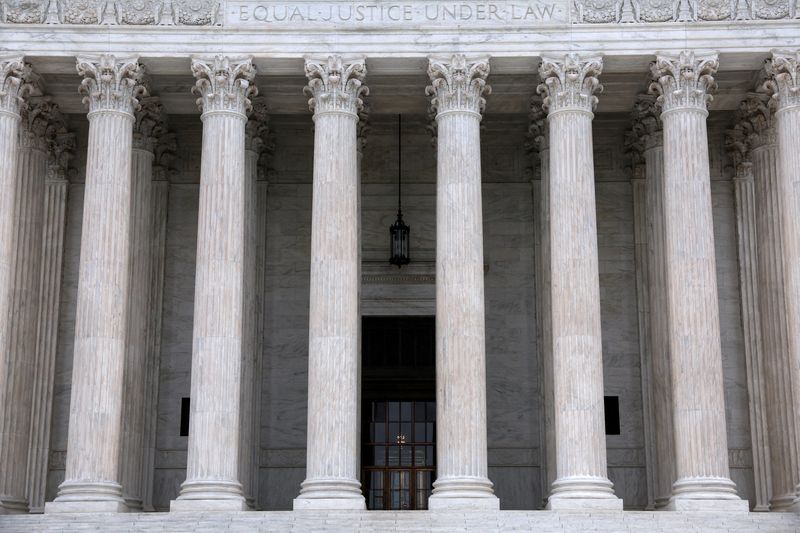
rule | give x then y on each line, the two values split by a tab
399	454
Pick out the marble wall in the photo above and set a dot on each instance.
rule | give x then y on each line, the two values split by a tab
512	362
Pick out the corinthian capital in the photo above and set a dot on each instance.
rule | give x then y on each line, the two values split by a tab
755	115
257	128
335	85
784	84
41	119
224	84
62	151
646	121
570	83
149	124
110	83
14	84
458	84
684	80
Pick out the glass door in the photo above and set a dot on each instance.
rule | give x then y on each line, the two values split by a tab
400	454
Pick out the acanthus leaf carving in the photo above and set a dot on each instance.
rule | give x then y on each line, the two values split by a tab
458	84
40	118
645	132
224	84
783	83
15	83
685	80
335	85
149	124
165	155
111	83
570	82
257	127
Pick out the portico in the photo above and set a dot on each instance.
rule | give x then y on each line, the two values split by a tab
603	220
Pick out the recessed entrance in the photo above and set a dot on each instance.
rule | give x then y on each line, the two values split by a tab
399	411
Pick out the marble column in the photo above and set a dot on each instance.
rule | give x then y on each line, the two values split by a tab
784	68
568	86
763	146
745	198
56	186
538	131
164	156
701	445
634	150
14	87
458	86
147	128
332	463
26	257
649	130
95	422
212	474
257	130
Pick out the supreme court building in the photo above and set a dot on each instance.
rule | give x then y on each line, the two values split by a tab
593	302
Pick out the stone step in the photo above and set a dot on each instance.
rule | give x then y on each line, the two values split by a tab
408	521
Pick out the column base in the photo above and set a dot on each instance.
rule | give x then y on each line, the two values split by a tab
706	493
785	503
88	506
579	493
88	497
330	494
10	505
209	495
193	506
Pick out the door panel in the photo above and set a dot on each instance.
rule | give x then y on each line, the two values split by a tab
399	456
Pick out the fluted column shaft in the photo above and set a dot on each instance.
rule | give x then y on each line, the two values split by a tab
774	325
138	322
701	445
24	275
785	71
213	474
95	425
12	362
462	464
159	206
332	462
744	191
55	200
568	84
659	320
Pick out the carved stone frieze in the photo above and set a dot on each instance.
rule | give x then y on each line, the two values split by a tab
224	84
129	12
82	11
14	83
149	123
685	80
110	83
335	85
783	83
570	82
626	11
458	84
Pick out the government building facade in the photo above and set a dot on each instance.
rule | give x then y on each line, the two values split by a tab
337	258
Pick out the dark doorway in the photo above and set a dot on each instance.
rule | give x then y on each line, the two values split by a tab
399	411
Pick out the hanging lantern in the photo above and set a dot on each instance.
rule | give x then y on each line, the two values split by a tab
399	232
